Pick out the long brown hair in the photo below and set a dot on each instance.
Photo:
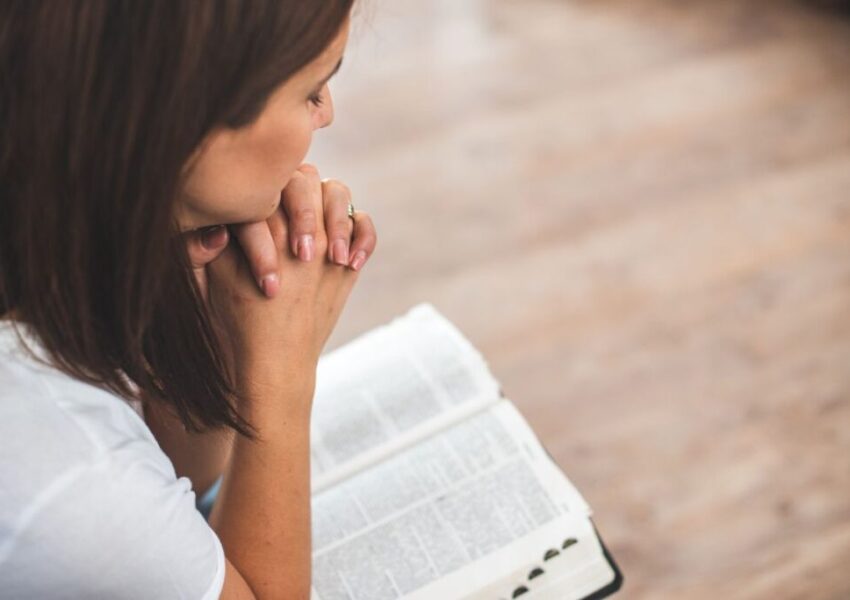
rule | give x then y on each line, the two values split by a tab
102	102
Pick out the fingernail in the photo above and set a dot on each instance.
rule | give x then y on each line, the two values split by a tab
270	285
214	237
340	252
305	248
358	261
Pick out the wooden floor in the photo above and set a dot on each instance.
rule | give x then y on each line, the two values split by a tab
639	210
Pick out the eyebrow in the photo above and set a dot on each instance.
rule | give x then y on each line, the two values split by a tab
332	73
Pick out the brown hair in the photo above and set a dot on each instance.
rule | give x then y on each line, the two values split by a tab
102	102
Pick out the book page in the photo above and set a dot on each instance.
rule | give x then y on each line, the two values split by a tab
427	522
391	387
576	583
563	561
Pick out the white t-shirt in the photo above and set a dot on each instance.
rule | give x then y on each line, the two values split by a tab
90	506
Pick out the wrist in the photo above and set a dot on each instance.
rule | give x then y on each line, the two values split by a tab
276	390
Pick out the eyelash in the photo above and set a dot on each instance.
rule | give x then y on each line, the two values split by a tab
316	99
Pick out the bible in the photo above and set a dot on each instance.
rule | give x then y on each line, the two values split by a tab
429	484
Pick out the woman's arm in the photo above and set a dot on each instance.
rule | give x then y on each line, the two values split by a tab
262	513
202	457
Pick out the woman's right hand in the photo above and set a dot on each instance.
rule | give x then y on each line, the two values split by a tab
274	341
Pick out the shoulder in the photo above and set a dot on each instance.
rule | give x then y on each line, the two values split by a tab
112	529
88	501
51	422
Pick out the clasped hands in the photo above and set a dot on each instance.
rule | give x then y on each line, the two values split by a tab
309	207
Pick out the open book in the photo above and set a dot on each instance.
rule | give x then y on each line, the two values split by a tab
428	484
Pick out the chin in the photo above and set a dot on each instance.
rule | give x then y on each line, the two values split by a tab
261	211
196	215
249	211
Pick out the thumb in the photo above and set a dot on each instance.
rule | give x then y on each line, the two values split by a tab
203	246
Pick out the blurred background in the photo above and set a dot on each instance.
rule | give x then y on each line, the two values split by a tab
639	211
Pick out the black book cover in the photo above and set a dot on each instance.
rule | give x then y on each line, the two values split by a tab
615	585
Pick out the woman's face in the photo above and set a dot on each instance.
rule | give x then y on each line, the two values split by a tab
238	174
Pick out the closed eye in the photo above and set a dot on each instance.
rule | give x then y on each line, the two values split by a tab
317	99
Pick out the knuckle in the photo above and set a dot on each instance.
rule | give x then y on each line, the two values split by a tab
369	233
278	230
367	241
368	227
338	188
298	178
305	216
338	227
309	169
370	241
260	259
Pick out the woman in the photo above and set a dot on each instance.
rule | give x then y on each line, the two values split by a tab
132	133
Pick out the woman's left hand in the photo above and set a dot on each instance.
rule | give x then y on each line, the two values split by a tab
350	241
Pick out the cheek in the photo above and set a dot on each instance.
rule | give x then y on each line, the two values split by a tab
266	166
241	181
290	147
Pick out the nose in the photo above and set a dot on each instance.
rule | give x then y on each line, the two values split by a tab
326	110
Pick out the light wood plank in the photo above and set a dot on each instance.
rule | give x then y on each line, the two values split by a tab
639	210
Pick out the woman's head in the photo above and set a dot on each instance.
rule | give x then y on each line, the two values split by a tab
237	174
124	122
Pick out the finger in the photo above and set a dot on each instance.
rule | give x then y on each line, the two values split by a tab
230	265
336	197
226	263
301	208
279	229
203	246
260	251
365	240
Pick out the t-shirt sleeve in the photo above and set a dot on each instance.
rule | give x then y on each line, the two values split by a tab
115	530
